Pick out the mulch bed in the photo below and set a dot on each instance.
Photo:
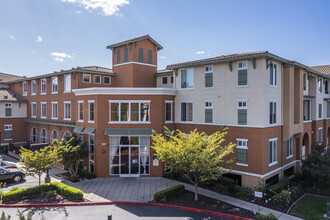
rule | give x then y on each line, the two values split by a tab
187	199
40	199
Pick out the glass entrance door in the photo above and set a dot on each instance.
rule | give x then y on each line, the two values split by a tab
129	160
124	158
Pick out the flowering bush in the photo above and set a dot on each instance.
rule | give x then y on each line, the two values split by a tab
282	199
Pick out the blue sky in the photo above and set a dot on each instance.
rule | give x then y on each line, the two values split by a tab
42	36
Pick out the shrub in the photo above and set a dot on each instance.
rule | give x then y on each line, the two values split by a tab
51	193
90	175
68	191
295	191
13	189
236	188
318	191
74	178
278	187
269	216
227	182
244	193
281	199
167	193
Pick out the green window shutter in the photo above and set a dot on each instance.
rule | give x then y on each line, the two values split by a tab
208	80
208	115
241	156
8	112
242	116
242	77
8	134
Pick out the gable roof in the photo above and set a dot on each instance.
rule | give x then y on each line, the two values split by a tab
164	72
7	95
325	69
5	77
133	40
96	69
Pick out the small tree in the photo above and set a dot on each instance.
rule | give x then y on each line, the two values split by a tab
73	150
39	161
199	156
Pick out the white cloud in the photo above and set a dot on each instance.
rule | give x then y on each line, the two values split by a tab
12	37
108	7
200	52
163	57
61	55
77	12
39	39
59	59
33	51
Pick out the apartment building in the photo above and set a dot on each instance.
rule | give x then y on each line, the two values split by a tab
275	109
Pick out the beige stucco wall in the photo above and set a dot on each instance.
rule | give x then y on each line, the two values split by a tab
18	110
225	94
160	82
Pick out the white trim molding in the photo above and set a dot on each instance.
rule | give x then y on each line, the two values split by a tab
133	62
124	91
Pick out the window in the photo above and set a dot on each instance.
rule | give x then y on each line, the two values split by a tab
8	132
320	135
272	113
289	153
54	110
187	79
129	111
118	56
107	80
208	77
97	79
242	66
67	110
43	136
305	81
208	111
43	86
320	110
25	89
91	153
86	78
164	80
326	87
34	87
242	112
33	109
80	111
319	83
272	151
307	110
172	79
54	85
242	77
186	111
273	74
141	55
241	151
168	111
149	57
91	111
43	110
54	135
67	83
67	135
33	136
125	55
8	109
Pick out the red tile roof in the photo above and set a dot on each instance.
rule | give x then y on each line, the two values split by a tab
6	95
325	69
132	40
5	77
96	69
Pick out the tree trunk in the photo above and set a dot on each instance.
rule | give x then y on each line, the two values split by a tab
39	179
196	188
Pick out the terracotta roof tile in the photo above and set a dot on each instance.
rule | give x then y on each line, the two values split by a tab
164	72
96	69
132	40
5	77
325	69
6	95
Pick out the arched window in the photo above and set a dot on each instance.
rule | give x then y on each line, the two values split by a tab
54	135
66	135
149	56
118	56
33	136
125	55
141	55
43	136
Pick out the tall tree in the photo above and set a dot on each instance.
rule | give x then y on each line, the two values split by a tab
199	156
39	161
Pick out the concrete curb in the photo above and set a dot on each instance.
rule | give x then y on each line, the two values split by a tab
124	203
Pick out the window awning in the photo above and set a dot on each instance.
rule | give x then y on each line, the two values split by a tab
88	130
78	129
128	131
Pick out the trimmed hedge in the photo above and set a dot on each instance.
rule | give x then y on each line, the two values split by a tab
62	189
278	187
74	178
167	193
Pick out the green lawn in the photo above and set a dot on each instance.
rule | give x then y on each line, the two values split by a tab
310	208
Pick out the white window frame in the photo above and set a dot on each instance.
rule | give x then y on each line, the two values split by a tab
187	102
169	102
164	77
319	85
94	77
193	82
207	104
89	76
64	117
67	87
275	161
41	104
43	82
53	110
238	146
104	80
242	67
32	104
274	109
274	76
79	102
25	85
318	112
8	127
290	142
208	69
242	101
320	135
33	82
89	111
46	136
53	84
9	105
